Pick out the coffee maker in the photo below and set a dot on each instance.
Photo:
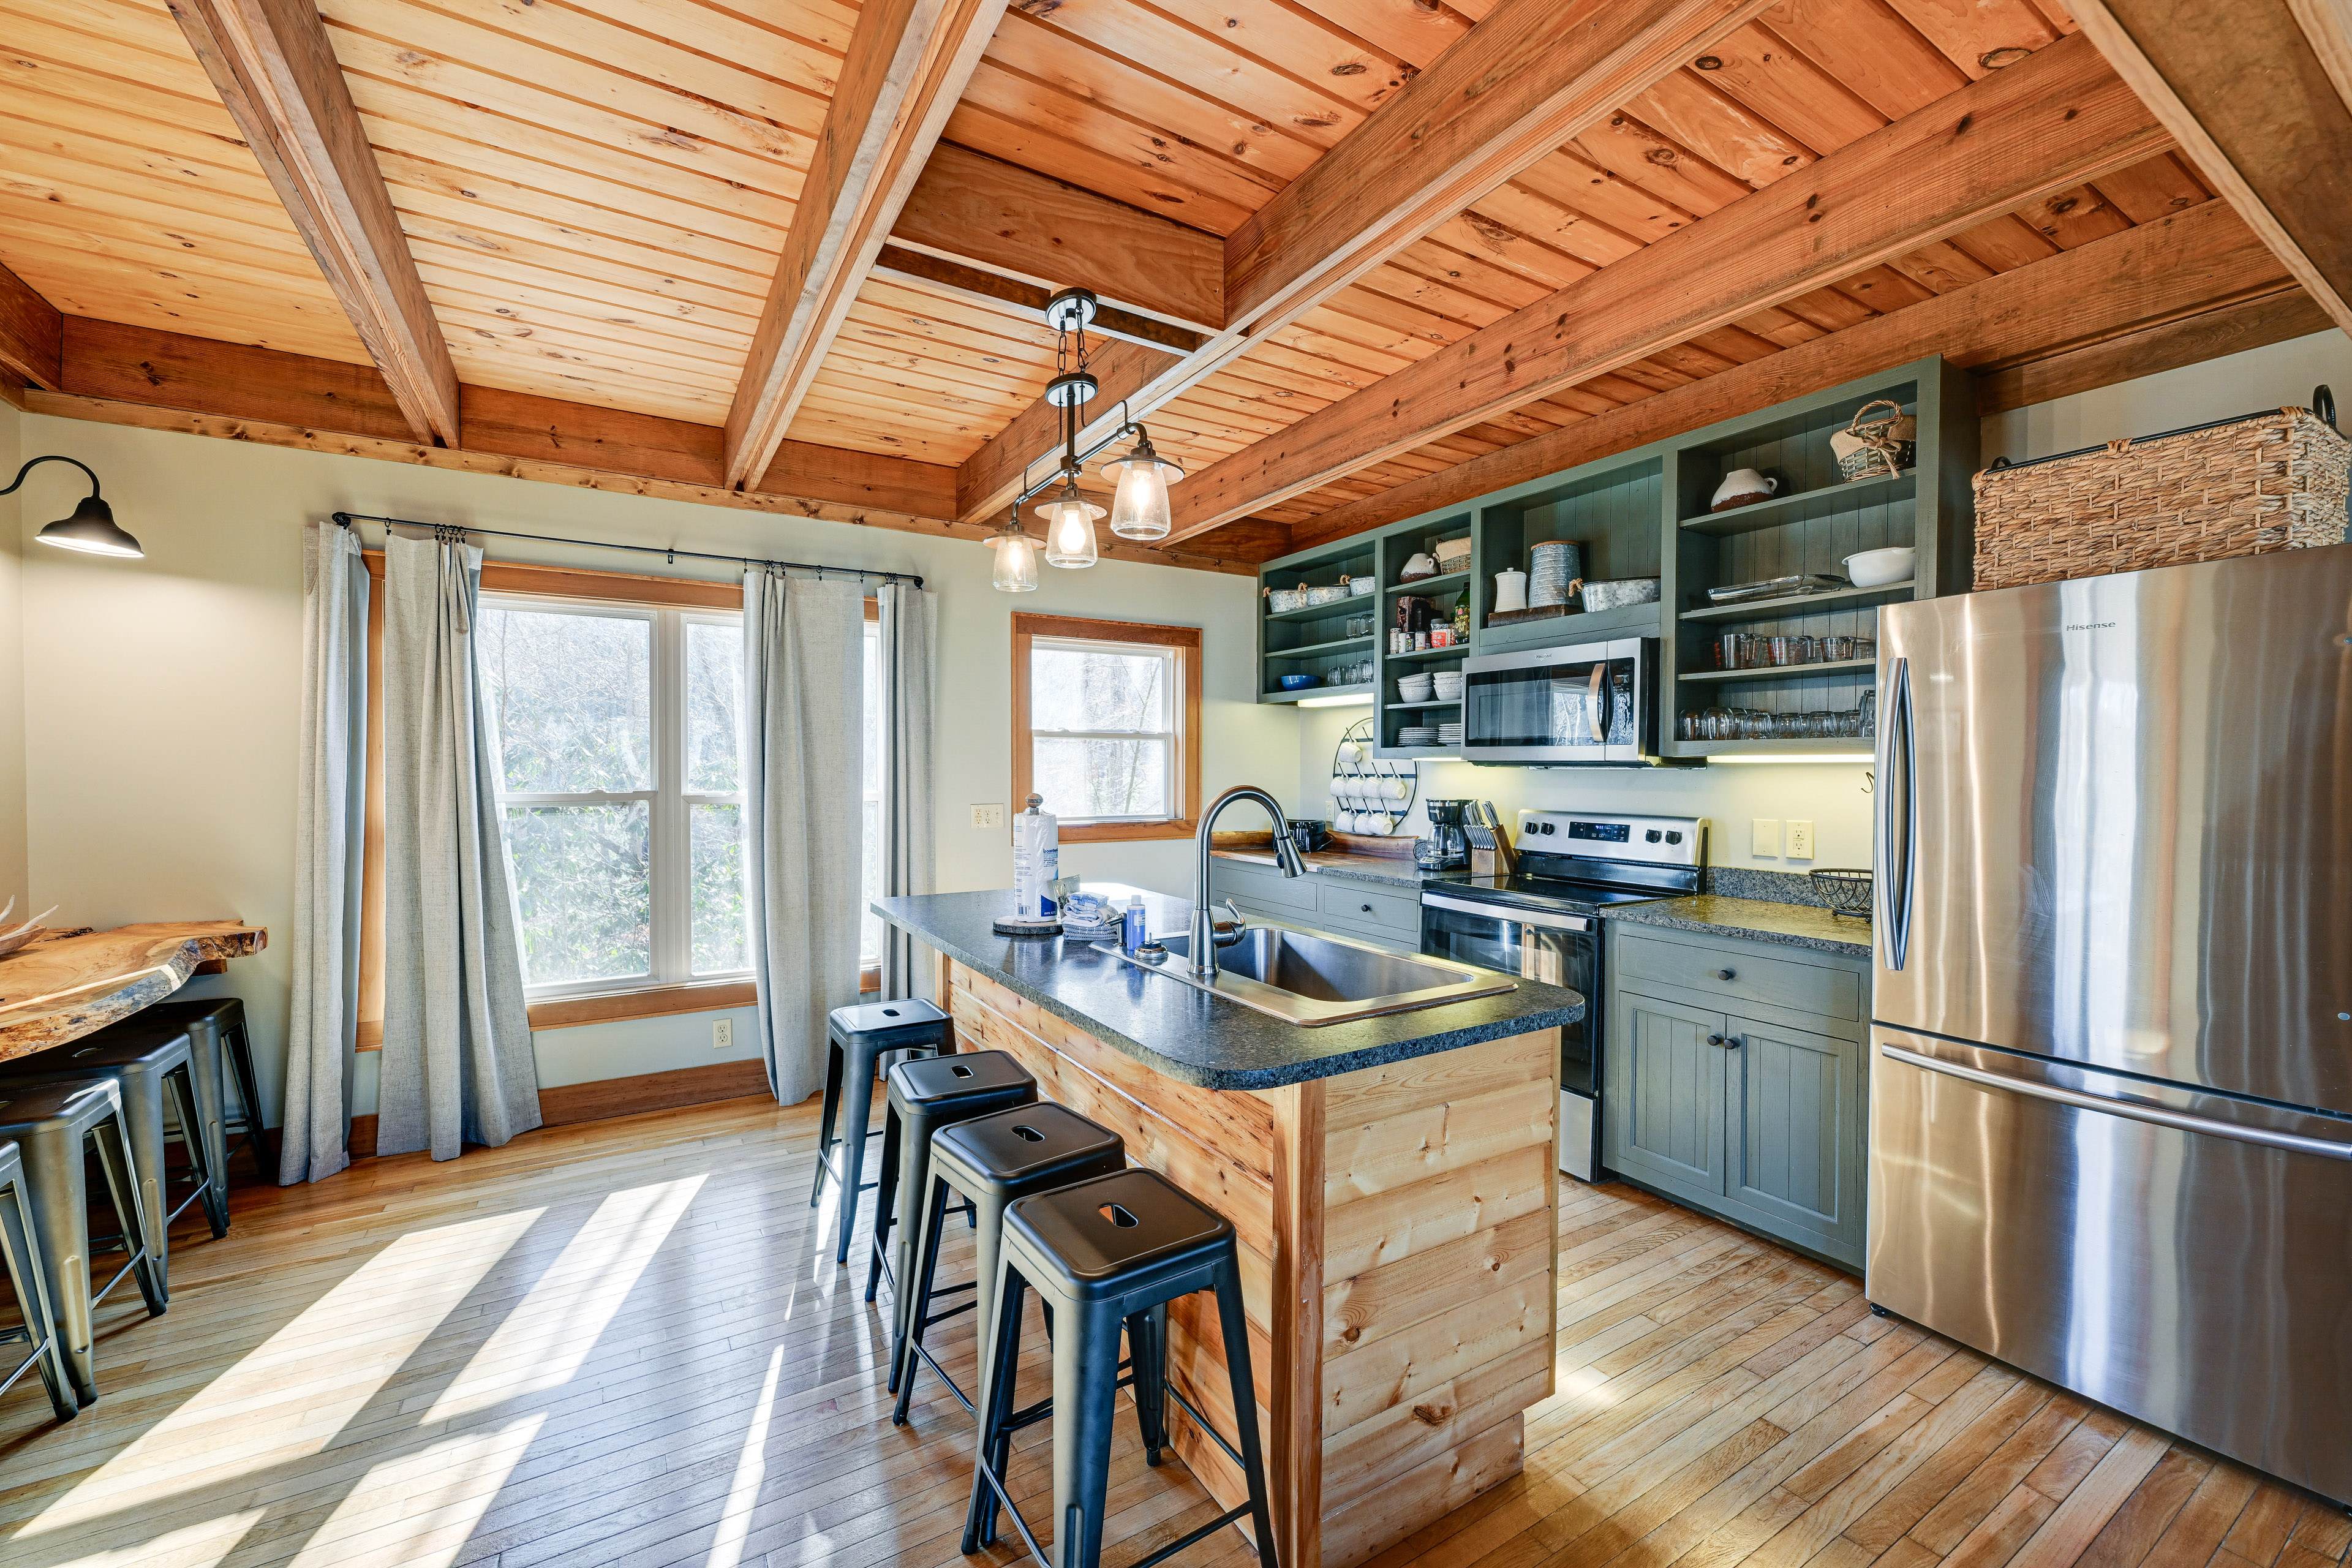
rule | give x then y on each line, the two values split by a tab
1447	847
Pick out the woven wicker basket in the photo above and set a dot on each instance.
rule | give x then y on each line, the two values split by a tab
2271	480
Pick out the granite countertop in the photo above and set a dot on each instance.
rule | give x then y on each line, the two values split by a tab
1395	872
1195	1038
1790	925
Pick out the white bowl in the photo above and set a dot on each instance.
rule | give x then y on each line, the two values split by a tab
1876	568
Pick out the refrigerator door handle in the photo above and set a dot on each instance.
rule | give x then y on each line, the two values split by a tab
1899	810
2179	1121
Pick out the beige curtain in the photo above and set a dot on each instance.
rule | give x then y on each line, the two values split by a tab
456	1064
330	809
803	799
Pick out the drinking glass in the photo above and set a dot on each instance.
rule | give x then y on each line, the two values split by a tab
1686	724
1716	724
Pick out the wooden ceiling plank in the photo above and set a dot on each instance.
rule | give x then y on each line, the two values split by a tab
1873	52
1721	130
1572	181
522	239
908	60
1562	227
163	293
2174	268
516	292
1658	164
32	335
1757	69
1415	33
2057	119
1138	181
983	212
277	73
2149	190
2071	217
1980	36
2255	109
1299	45
1505	248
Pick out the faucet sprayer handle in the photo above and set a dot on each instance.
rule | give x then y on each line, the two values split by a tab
1226	935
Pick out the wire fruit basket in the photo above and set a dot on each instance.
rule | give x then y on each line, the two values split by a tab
1845	892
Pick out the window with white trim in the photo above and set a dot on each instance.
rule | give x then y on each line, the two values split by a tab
619	791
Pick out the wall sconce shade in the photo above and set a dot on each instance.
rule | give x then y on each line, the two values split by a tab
91	529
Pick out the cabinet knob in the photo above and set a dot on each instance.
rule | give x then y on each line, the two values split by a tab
1715	1040
1727	974
1366	907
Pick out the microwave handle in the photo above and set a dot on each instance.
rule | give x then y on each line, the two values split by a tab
1594	704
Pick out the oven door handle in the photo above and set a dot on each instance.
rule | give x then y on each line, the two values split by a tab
1507	913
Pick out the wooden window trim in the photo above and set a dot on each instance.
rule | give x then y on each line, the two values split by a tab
1186	641
556	1012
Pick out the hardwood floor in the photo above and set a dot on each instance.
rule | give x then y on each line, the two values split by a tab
625	1343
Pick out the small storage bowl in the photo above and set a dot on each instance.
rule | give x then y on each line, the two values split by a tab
1280	601
1623	591
1448	684
1876	568
1414	687
1361	587
1328	594
1297	682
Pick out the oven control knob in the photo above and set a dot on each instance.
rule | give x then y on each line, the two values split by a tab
1674	836
1653	836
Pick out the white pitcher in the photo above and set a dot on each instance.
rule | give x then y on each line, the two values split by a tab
1510	590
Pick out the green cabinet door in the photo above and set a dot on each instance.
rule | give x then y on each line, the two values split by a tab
1664	1099
1794	1138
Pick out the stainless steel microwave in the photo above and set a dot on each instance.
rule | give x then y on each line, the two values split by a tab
1592	703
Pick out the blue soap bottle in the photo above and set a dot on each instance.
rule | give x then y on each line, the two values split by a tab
1131	934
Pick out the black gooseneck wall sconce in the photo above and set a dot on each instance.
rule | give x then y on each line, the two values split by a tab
91	529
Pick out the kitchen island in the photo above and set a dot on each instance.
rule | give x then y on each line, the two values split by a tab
1391	1179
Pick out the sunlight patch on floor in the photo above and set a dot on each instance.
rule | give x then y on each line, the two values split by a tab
751	1469
437	1495
542	1342
288	1398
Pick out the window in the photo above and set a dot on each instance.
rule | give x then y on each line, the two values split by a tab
621	804
1106	724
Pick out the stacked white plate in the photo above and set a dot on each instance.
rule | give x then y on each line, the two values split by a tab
1449	734
1449	684
1417	735
1414	687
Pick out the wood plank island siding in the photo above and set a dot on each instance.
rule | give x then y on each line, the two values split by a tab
1396	1235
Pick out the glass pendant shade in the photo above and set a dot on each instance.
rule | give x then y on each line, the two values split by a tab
1016	560
1069	529
1139	508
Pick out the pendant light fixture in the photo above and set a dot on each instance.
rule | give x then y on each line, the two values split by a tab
1140	478
91	529
1016	558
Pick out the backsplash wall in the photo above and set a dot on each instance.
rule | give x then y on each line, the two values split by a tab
1834	797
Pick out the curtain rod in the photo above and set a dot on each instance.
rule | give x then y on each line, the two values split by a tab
345	519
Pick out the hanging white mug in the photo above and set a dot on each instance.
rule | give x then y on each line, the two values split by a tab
1375	823
1350	752
1510	590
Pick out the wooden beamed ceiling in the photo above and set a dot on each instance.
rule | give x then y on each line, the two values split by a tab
1353	254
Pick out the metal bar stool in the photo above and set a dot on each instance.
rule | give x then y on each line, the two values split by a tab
51	1123
153	1064
990	1161
40	1329
925	1096
856	1040
1099	1253
216	1027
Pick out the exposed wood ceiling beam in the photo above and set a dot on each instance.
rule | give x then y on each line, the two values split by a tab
2258	109
998	289
907	65
2183	287
2053	120
163	380
1528	76
276	71
31	334
1003	218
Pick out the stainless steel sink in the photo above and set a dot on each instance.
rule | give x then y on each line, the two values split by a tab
1309	978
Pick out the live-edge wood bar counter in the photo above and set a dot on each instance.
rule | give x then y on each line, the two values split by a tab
1392	1181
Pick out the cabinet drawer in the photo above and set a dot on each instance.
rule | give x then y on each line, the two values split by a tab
1738	974
1262	885
1359	905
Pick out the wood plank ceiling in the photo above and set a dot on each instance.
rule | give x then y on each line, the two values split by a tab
595	194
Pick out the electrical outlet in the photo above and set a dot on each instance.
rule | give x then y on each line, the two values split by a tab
1801	839
722	1033
987	815
1764	842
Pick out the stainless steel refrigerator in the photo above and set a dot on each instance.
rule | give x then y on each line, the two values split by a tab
2111	1075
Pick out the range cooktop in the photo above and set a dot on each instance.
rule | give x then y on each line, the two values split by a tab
1579	862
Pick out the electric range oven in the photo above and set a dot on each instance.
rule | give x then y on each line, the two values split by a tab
1546	922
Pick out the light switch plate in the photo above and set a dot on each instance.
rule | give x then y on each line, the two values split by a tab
987	815
1766	838
1801	839
722	1033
